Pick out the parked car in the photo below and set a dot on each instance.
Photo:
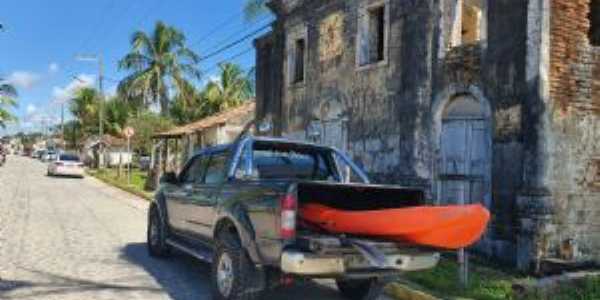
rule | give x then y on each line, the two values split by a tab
2	155
144	163
66	165
49	156
27	152
36	154
237	207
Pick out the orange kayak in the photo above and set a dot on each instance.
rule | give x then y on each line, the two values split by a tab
444	227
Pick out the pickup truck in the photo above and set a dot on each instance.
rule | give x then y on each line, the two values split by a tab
236	207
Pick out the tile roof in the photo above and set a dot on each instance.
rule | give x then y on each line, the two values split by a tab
229	115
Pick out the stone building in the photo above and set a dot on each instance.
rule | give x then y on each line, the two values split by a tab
475	100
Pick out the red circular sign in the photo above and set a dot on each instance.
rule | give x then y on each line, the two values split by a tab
128	132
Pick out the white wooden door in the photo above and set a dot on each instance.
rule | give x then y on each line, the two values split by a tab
464	162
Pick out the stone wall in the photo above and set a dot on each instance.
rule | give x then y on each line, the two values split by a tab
573	232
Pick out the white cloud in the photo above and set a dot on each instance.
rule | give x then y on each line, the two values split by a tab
66	93
23	79
53	67
31	109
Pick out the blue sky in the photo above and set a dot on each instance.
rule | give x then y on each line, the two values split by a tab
42	39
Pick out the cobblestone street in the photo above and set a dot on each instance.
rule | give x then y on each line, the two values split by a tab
64	238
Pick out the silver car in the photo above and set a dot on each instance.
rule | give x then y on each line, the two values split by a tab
66	165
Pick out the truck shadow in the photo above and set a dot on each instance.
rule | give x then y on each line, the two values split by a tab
185	278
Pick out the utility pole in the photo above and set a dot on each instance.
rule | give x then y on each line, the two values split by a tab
62	119
101	90
98	58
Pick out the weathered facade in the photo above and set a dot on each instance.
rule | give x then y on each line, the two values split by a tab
475	100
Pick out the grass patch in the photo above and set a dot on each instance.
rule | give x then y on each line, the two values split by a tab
584	289
485	283
488	282
138	180
588	289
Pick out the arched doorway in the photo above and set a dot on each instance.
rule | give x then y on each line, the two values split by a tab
464	171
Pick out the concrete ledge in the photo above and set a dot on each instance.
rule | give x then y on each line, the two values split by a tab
405	291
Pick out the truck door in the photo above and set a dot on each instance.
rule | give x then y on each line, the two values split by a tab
206	195
178	195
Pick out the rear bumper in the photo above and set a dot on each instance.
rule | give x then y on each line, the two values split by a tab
309	264
68	172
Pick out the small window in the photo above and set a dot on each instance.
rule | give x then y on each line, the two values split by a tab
377	33
300	47
215	173
372	35
594	18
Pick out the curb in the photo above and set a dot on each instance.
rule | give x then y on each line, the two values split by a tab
122	188
404	291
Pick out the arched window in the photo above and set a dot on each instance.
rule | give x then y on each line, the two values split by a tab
594	17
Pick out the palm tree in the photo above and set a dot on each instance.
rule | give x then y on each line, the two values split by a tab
84	107
8	93
160	63
233	87
117	113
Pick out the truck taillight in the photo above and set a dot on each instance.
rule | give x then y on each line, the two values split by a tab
288	216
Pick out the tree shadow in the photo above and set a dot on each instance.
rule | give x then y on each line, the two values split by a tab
56	284
185	278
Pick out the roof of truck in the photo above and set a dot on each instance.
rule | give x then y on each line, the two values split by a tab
223	147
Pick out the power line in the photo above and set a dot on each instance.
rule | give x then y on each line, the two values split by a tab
238	31
231	45
229	59
216	28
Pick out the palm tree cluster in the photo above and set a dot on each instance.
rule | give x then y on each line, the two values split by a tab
164	72
163	75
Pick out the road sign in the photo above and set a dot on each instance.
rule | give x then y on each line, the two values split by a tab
128	132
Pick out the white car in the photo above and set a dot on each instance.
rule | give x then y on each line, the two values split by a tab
49	156
66	165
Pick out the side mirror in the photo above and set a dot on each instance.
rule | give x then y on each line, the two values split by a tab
169	177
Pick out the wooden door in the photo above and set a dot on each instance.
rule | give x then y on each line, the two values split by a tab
464	162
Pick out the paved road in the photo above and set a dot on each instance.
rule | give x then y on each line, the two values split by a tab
63	238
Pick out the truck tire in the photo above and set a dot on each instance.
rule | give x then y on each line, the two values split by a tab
232	271
157	235
361	289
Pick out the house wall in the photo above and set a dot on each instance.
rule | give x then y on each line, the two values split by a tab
389	114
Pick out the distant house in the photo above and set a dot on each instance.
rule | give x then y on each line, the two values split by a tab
221	128
113	149
172	148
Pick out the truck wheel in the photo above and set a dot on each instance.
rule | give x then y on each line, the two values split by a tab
157	235
232	271
361	289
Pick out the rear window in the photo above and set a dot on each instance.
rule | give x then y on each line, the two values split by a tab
68	157
275	161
